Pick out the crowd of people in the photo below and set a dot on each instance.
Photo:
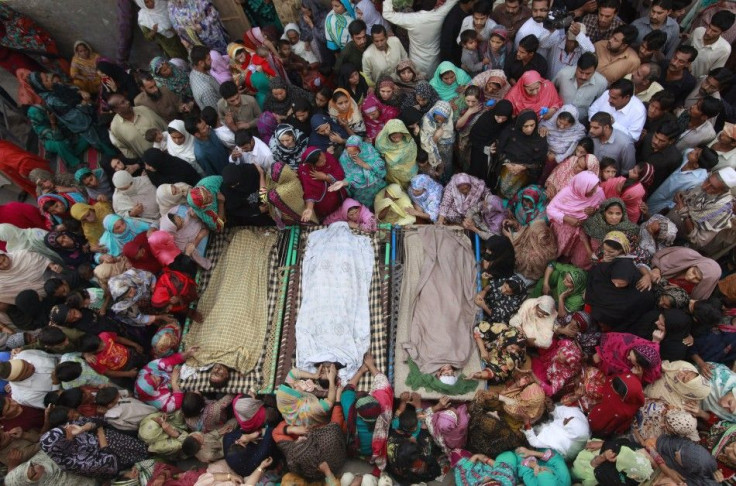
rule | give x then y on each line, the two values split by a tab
590	146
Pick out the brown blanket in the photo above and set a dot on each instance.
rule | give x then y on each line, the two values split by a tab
441	329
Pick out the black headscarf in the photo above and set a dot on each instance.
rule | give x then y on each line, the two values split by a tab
240	186
169	169
62	94
617	308
31	312
486	131
292	94
125	82
677	324
361	91
301	104
519	148
106	161
499	252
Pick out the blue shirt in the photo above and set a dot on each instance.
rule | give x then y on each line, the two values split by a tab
678	181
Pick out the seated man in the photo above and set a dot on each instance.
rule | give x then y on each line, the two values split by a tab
702	212
30	376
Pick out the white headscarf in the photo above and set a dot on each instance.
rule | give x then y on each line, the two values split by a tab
166	200
371	15
184	151
534	327
141	191
158	15
300	48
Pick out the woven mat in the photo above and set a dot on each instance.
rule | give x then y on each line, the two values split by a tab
411	263
379	308
261	378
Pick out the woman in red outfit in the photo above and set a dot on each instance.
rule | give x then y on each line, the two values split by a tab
16	164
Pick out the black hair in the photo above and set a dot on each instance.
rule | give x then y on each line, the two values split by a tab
723	19
378	29
567	116
51	398
242	137
144	76
209	115
614	4
614	244
467	36
723	75
192	404
655	40
629	31
68	371
58	416
625	86
530	43
150	137
670	129
642	360
708	157
49	204
514	285
689	50
190	124
76	299
105	396
284	42
665	98
90	343
338	95
408	419
706	314
51	336
198	54
588	60
619	386
602	118
228	89
301	104
422	155
323	383
483	7
587	144
406	454
665	4
71	398
2	404
711	107
356	27
190	446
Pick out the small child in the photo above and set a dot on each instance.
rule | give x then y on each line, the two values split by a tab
226	136
498	48
120	410
294	65
259	61
607	168
90	298
112	355
158	138
470	60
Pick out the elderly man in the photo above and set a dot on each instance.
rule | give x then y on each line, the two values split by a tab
645	81
130	124
581	85
628	112
382	57
703	212
160	99
29	375
725	146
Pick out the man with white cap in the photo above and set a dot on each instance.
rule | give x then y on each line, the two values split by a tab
702	212
725	146
29	375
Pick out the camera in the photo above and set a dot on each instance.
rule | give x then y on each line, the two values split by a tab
558	18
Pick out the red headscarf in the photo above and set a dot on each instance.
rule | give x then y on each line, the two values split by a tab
613	415
146	261
546	98
172	283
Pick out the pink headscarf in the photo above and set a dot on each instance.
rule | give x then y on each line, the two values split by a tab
366	219
163	247
573	199
452	426
546	98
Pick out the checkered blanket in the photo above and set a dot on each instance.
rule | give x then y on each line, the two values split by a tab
379	307
261	378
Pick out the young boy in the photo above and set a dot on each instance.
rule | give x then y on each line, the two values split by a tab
471	61
226	136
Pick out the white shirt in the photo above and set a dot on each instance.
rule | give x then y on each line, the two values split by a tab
226	136
377	62
692	137
559	58
31	391
260	155
709	56
530	27
468	25
424	33
629	119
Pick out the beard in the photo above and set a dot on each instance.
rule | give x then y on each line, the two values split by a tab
155	96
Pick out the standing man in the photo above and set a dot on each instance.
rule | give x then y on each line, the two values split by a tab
130	124
511	14
612	142
600	25
205	88
383	55
676	77
581	85
535	26
659	19
353	51
713	49
449	49
627	111
658	148
616	58
696	120
424	29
